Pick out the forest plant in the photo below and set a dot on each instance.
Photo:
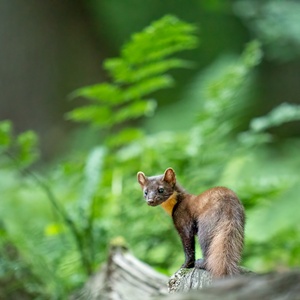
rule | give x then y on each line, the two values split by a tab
97	192
281	40
141	70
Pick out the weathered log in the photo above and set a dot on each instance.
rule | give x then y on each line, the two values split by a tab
274	286
189	279
192	279
123	277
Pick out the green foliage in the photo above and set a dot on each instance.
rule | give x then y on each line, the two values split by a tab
59	227
23	149
146	56
69	244
5	134
223	89
284	113
27	143
140	70
275	23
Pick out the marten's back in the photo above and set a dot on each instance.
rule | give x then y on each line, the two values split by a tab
213	201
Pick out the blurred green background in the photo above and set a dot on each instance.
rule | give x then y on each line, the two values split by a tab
225	111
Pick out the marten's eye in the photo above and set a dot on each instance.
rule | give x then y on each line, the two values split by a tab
161	190
145	192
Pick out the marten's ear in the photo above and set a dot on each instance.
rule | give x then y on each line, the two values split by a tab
142	179
169	176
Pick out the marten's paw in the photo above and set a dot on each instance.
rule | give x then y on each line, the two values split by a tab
200	264
188	265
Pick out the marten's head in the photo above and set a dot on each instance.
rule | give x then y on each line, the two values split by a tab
157	189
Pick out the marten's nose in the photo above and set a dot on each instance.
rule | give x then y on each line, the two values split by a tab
150	201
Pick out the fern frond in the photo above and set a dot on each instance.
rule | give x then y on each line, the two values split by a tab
161	39
140	70
126	73
222	90
97	115
105	93
148	86
125	136
285	112
135	110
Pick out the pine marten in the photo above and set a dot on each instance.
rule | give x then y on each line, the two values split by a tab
216	216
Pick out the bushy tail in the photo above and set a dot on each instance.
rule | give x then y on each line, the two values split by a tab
226	247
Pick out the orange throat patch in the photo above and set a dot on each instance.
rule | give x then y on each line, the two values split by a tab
169	204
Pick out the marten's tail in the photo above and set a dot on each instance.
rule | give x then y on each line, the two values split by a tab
225	249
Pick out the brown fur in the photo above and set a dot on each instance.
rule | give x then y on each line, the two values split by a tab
216	216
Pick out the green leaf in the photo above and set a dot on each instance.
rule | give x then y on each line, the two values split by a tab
104	93
147	86
135	110
92	178
251	139
279	115
222	89
125	73
124	137
159	40
5	134
155	68
27	148
94	114
253	54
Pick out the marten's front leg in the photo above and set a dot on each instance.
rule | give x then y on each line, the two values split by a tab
188	243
